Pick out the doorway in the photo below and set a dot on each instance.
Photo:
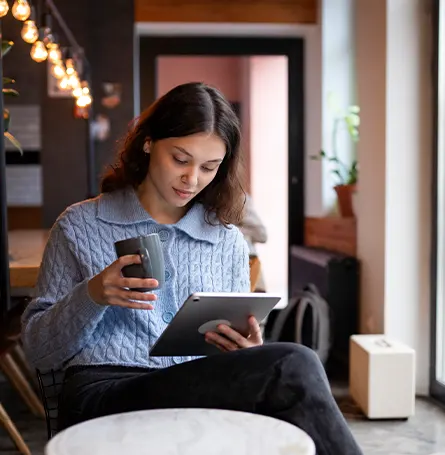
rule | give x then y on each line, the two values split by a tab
157	54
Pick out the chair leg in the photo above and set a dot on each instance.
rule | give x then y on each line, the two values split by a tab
12	371
13	432
22	362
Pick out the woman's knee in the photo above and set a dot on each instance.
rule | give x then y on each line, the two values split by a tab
297	362
305	356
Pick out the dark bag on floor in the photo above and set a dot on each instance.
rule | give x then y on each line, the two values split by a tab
306	321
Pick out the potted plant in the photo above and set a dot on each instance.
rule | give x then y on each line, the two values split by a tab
6	47
345	173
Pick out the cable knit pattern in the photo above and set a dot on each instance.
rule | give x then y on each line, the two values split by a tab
62	326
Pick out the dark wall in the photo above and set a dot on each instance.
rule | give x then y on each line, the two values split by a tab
19	65
64	138
107	37
112	41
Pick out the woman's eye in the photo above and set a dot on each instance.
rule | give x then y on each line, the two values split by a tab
207	169
179	161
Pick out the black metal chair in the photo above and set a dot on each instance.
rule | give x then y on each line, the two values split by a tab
50	384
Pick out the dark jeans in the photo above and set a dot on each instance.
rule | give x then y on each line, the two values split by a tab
281	380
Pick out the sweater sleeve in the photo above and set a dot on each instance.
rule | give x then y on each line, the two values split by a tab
60	319
240	268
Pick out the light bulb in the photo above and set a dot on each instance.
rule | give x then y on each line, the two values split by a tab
81	102
57	70
70	67
21	10
54	54
4	8
82	90
77	92
64	83
30	32
73	81
39	52
84	100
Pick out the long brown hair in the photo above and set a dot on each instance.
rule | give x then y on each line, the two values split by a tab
187	109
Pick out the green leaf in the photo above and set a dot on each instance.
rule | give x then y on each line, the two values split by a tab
6	47
10	92
318	157
14	141
8	80
338	174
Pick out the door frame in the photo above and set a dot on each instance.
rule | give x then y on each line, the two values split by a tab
437	389
150	47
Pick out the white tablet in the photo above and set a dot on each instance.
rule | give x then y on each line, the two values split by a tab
203	312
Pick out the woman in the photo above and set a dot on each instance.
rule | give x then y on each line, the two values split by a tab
178	174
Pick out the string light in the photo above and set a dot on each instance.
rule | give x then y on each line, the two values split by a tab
30	32
54	53
58	70
64	83
70	67
77	92
73	81
82	90
38	52
84	101
45	46
21	10
4	8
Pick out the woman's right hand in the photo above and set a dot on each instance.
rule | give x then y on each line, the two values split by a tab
110	288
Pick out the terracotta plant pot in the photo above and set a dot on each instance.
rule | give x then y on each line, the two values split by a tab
344	197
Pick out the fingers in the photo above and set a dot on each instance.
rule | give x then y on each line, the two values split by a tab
132	283
129	299
254	330
231	340
121	262
221	342
135	295
209	340
233	336
116	301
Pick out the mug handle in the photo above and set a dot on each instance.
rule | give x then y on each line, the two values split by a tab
146	262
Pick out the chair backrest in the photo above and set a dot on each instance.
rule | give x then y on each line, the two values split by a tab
255	269
50	384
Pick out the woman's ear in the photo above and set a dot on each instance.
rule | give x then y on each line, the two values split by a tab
146	146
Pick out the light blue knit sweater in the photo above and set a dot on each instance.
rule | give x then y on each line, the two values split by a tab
62	326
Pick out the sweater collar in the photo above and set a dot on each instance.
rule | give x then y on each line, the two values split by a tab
123	207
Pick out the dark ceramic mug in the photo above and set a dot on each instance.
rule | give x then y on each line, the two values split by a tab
152	259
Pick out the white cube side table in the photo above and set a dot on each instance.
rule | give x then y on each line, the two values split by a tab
382	376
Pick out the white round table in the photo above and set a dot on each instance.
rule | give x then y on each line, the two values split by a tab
182	432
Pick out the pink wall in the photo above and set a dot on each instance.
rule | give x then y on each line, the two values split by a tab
221	72
269	164
231	75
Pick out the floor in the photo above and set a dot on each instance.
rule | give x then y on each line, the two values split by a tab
423	434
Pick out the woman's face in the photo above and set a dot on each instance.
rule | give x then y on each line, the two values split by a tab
182	167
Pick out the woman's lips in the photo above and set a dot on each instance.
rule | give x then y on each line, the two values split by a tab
183	194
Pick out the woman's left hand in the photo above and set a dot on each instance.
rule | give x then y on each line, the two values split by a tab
232	340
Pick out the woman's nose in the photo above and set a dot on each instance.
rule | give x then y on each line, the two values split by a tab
191	177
